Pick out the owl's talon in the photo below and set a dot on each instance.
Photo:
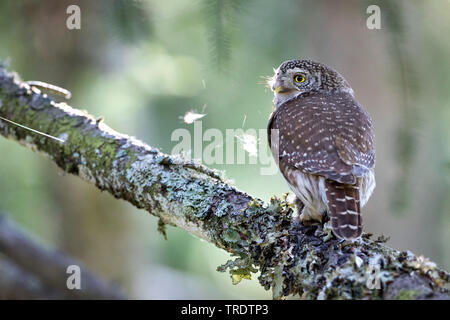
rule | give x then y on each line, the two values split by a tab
327	231
319	230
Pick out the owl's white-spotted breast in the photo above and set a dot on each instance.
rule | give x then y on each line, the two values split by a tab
323	142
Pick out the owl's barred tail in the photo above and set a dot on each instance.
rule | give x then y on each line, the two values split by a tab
344	209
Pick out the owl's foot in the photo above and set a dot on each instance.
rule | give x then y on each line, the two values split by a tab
325	231
310	217
319	230
304	215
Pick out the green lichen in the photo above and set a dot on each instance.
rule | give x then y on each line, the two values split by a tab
240	268
162	228
407	295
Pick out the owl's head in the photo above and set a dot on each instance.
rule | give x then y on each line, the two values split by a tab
296	77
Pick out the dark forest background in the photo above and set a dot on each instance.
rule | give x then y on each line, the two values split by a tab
143	64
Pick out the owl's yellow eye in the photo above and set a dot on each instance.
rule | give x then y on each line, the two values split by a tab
299	78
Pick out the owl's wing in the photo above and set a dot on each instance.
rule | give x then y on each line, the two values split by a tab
325	134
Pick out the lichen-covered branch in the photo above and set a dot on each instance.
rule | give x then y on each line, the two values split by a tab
292	259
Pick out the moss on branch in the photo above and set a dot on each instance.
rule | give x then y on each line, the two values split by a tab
292	259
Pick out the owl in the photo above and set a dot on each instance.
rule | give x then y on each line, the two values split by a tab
323	142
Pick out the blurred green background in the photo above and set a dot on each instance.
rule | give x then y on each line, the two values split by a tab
143	64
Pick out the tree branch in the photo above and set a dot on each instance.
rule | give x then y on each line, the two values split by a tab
292	259
32	269
16	284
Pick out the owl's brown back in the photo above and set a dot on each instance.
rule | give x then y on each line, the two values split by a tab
325	134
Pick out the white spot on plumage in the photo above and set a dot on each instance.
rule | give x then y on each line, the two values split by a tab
348	226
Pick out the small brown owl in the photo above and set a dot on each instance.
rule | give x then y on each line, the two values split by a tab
323	142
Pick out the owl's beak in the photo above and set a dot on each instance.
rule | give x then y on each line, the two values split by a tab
278	87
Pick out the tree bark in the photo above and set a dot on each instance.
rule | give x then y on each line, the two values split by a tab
292	259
